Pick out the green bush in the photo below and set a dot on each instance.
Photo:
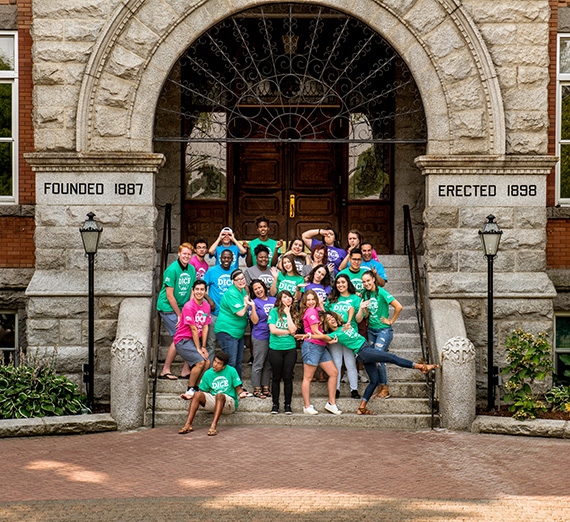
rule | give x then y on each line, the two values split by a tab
33	389
559	398
529	361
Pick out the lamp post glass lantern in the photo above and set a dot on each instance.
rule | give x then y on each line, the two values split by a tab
90	234
490	236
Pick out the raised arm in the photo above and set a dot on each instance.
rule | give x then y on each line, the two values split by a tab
308	235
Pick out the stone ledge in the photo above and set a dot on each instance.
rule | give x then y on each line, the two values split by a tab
62	425
531	428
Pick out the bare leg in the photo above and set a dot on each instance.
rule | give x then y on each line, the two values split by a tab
198	400
220	403
196	373
308	372
170	356
332	372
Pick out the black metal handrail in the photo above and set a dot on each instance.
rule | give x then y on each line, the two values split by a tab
410	250
166	247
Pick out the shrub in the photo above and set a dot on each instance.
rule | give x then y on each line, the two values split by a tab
529	361
559	398
33	389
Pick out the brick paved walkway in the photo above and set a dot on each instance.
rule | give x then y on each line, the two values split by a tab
261	473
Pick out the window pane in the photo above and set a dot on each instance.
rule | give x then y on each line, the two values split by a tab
5	110
6	53
206	160
565	115
7	330
5	169
565	171
563	332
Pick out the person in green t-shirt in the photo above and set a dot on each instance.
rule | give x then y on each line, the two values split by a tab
262	224
219	390
176	289
288	278
233	319
344	301
354	272
380	333
334	331
282	349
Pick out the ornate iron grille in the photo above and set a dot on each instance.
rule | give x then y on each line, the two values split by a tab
290	73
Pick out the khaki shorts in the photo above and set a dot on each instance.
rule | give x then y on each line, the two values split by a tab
229	406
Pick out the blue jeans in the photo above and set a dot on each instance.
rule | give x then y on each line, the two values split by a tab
369	356
380	339
233	347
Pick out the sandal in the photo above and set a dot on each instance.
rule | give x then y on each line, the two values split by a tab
168	377
212	432
363	410
259	394
185	430
266	391
323	377
426	368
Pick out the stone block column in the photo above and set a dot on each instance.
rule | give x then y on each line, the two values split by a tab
119	189
460	192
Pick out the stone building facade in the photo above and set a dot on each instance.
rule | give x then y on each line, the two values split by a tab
483	69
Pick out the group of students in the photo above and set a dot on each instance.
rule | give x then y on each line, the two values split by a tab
320	298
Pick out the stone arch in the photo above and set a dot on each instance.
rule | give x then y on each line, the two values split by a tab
144	39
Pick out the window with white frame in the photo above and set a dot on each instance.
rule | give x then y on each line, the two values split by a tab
8	115
562	346
8	331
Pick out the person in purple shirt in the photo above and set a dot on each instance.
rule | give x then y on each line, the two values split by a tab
319	280
260	371
330	239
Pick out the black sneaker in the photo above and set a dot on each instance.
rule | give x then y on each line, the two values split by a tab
354	394
288	410
275	409
337	394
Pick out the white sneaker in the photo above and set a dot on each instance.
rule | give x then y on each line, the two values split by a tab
344	378
310	410
188	395
332	408
362	377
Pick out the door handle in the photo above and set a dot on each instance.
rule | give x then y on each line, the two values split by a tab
292	206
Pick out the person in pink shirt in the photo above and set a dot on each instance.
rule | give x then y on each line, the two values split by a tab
315	353
198	260
192	334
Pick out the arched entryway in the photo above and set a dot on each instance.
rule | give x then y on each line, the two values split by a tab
297	112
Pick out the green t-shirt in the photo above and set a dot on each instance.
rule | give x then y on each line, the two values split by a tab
270	243
228	321
379	307
181	281
342	306
355	278
280	342
285	282
224	381
349	338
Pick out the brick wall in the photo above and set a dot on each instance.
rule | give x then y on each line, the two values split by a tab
17	232
557	230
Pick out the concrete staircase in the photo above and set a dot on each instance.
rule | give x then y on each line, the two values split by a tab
407	409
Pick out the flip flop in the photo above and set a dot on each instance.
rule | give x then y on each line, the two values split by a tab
185	430
212	432
184	376
168	377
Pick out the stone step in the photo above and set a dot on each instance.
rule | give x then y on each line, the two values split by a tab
415	390
170	402
346	420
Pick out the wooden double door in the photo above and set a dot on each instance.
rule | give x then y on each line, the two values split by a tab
297	186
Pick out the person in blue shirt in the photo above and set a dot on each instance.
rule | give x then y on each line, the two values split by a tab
218	280
369	263
227	241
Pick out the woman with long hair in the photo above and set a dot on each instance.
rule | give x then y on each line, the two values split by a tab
315	353
380	333
344	301
332	326
288	278
296	249
319	280
282	349
260	370
319	256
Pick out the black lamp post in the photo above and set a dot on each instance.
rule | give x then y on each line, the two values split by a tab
490	237
90	234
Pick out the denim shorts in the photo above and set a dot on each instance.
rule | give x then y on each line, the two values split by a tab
188	351
313	354
169	319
